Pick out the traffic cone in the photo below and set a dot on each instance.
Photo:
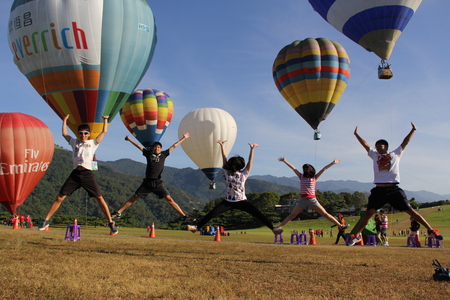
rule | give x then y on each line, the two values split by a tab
75	222
312	238
152	231
16	224
361	242
217	237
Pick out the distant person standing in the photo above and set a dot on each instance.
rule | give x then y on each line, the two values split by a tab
153	183
341	232
386	168
384	224
415	227
308	181
82	175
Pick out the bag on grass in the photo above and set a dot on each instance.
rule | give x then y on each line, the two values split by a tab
440	273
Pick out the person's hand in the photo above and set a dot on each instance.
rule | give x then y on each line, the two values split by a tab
253	146
105	117
356	131
336	161
186	135
221	142
283	159
127	138
414	127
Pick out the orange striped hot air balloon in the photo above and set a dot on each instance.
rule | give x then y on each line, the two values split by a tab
147	114
311	75
26	150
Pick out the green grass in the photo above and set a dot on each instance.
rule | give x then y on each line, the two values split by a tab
183	265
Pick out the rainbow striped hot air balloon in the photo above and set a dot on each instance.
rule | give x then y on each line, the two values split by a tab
147	114
312	75
374	25
83	57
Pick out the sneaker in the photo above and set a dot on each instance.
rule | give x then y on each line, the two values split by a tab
354	241
434	233
44	225
113	228
188	219
192	228
343	227
386	244
116	215
277	230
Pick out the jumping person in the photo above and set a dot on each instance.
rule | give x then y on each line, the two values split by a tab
152	182
82	175
386	168
308	194
236	174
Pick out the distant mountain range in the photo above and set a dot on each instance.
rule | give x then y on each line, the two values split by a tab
350	186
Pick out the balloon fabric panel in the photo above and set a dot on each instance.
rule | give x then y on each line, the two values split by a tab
374	25
312	75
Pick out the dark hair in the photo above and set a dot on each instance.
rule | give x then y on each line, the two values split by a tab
84	127
382	142
308	171
156	144
235	163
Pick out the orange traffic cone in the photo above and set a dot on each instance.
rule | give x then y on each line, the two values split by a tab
312	238
16	224
152	231
217	237
361	242
75	222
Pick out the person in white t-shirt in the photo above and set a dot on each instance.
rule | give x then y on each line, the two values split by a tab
82	175
386	167
236	174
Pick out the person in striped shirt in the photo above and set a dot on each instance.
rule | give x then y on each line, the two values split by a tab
308	194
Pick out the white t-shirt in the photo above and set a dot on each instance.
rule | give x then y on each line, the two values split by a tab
83	153
235	182
386	167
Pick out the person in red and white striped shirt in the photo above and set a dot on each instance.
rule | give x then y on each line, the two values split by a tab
308	194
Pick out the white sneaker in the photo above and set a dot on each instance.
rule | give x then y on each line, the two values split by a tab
192	228
354	241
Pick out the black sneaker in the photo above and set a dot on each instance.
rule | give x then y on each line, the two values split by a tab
188	219
116	215
113	228
44	225
434	233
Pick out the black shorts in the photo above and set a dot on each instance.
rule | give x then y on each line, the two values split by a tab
152	186
393	195
81	178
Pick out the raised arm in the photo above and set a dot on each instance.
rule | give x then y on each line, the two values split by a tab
102	134
139	146
248	167
408	138
297	172
224	154
65	132
335	161
185	136
361	140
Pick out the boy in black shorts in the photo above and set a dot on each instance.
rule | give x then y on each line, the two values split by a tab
152	182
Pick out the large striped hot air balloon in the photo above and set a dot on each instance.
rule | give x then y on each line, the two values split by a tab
312	75
83	57
206	126
374	25
147	114
26	150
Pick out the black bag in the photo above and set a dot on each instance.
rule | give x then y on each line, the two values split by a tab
440	273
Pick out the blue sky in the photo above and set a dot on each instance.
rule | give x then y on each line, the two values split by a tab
214	53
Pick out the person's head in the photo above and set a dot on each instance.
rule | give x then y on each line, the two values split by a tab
84	132
157	147
308	171
382	211
236	163
382	146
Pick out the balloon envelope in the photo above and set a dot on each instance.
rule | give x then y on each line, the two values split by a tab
374	25
83	57
206	126
147	114
26	150
312	75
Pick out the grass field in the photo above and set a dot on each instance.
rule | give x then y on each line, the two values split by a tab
183	265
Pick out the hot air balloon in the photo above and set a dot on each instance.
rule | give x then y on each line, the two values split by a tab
147	114
26	150
206	126
311	75
83	57
374	25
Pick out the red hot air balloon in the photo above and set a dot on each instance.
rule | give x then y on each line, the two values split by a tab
26	150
